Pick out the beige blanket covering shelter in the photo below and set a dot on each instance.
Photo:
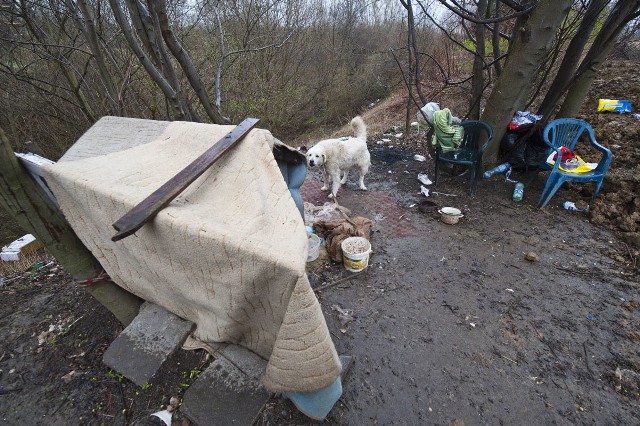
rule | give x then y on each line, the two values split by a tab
229	253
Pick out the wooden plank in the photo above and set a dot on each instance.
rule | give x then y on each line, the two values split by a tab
146	210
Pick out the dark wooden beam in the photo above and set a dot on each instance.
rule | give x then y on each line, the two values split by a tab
146	210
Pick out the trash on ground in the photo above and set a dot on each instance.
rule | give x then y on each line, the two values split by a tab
336	231
518	192
424	178
20	247
345	316
532	256
328	211
614	105
314	243
163	415
419	157
501	168
450	215
355	253
424	191
571	206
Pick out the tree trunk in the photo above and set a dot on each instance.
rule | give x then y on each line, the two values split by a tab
477	81
532	43
572	57
622	13
21	197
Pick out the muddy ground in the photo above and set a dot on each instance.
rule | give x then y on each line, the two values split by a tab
451	323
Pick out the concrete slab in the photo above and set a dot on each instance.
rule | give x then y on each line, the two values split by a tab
224	394
142	347
248	362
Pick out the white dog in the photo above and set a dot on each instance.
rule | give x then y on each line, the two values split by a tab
337	156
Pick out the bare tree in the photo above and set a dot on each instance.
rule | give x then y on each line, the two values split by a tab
531	45
572	56
622	13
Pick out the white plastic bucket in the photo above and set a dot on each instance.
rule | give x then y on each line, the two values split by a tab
314	247
355	253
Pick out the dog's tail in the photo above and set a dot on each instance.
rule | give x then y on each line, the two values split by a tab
359	128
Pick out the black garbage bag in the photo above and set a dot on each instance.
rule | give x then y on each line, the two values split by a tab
521	152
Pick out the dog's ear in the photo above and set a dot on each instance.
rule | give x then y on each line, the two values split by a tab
324	157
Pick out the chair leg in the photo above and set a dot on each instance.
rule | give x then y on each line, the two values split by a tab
553	184
474	180
598	186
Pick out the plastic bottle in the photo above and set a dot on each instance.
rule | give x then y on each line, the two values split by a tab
571	206
497	169
518	192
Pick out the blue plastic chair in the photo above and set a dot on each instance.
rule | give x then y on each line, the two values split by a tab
566	132
478	135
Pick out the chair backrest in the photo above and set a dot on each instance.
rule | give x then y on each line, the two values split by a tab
566	132
476	135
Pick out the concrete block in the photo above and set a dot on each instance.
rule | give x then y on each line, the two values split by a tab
142	347
225	395
247	361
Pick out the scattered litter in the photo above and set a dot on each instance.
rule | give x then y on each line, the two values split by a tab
614	105
398	135
326	212
537	380
472	324
412	205
67	377
345	316
390	172
22	246
571	206
578	254
510	290
419	157
589	317
424	191
163	415
532	256
635	115
380	142
422	177
378	217
502	168
442	193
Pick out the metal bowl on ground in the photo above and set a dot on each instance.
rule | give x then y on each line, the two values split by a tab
450	215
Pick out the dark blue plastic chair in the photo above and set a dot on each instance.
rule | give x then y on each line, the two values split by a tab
478	135
566	132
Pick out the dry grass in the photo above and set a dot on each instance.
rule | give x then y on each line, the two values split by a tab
10	268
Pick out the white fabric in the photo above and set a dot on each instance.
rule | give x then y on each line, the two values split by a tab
229	253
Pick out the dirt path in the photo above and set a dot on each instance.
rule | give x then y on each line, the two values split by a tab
451	322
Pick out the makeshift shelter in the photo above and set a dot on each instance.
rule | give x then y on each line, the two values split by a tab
228	254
